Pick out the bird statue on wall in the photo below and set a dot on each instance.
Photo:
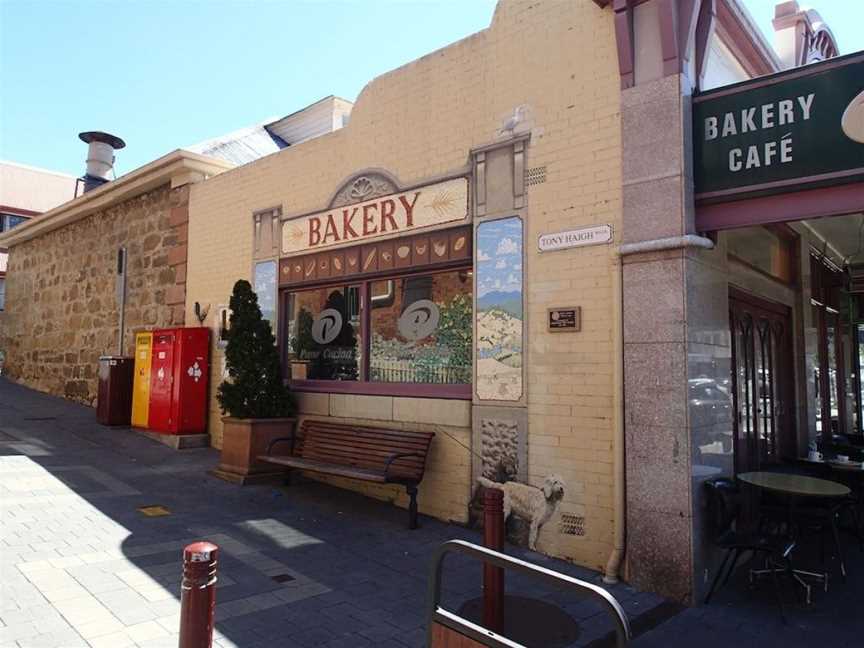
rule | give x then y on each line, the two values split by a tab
510	124
201	314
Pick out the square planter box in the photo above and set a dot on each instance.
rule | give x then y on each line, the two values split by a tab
243	440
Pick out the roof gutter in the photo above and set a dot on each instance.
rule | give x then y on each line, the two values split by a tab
176	168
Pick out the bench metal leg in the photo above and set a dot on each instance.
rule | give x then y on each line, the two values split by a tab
412	506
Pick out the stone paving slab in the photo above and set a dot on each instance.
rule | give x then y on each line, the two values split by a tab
305	566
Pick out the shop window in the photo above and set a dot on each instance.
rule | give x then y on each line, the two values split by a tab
770	250
424	335
324	334
414	338
391	317
2	293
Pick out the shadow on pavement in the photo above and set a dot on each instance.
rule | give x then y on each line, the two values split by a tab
307	566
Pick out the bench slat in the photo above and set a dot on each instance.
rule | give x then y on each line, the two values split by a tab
351	437
337	428
320	466
359	450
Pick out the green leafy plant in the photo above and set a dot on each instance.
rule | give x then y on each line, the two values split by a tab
254	386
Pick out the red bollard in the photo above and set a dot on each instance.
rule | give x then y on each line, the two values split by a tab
198	595
493	577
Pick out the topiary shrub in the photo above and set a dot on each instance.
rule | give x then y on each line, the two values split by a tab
254	386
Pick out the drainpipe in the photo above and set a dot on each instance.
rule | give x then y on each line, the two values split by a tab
613	565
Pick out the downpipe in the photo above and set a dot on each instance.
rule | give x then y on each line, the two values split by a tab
613	565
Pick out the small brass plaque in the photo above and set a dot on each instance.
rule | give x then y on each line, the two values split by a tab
567	319
154	510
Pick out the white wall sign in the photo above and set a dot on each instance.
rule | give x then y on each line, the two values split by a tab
575	238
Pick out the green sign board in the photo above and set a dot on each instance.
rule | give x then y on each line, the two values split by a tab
796	129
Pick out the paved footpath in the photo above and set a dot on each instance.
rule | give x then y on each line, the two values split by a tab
305	566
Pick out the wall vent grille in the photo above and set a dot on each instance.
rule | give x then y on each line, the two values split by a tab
572	524
535	176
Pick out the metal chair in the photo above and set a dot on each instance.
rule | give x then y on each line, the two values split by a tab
724	508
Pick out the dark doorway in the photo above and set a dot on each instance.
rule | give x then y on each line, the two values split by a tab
762	381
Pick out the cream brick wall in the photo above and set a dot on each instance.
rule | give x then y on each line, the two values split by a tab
558	57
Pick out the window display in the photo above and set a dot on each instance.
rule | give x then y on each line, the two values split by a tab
324	334
422	334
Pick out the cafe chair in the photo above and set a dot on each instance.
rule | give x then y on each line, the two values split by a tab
724	508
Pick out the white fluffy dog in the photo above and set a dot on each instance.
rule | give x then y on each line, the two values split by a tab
534	504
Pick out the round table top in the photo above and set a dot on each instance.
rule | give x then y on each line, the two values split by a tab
795	484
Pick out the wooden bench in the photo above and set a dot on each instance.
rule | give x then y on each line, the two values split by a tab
370	454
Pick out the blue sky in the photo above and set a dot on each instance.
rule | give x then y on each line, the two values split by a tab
163	74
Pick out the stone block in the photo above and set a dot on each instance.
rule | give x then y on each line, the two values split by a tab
178	315
175	295
655	387
453	413
180	273
658	552
378	408
656	208
177	255
178	216
654	301
310	403
181	233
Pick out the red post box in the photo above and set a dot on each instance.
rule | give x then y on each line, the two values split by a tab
179	371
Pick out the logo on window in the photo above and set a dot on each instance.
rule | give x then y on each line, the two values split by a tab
419	320
327	326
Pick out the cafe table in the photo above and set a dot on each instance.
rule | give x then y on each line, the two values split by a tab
794	487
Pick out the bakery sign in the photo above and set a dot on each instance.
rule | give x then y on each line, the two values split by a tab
801	128
397	213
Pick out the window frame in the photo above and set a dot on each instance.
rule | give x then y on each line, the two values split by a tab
826	285
363	386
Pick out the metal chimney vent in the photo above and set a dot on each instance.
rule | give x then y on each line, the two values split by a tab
100	157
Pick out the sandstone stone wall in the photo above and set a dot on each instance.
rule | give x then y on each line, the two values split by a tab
61	307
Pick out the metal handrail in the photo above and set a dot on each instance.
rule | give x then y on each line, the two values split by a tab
437	614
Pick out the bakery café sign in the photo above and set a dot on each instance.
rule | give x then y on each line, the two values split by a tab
793	130
395	213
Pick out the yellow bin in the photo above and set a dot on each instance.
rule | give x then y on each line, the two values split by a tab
141	384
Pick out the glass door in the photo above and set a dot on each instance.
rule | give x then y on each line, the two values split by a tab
764	426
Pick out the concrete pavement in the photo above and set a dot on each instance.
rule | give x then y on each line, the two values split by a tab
305	566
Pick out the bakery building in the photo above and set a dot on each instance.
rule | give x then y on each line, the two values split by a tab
514	242
399	260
